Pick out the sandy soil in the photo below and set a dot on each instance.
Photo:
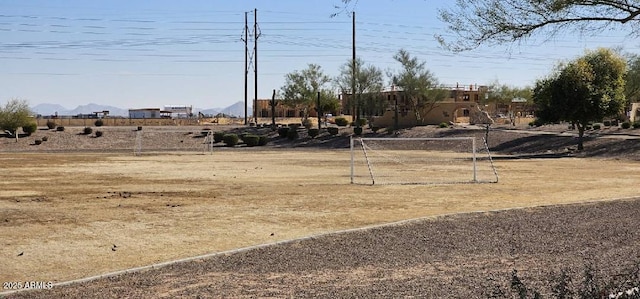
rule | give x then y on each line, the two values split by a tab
161	207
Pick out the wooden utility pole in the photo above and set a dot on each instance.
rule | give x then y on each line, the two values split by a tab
353	99
273	110
255	65
246	68
319	111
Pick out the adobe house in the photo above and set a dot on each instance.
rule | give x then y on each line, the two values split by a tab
634	113
461	106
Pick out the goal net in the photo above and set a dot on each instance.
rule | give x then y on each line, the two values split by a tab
446	160
163	140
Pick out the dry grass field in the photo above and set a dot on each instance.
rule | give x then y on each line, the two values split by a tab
70	215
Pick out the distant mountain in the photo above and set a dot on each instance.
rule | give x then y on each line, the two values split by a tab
47	109
91	108
236	109
50	109
53	109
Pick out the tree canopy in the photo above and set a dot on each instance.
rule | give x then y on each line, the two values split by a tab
368	82
420	87
584	90
15	114
632	78
301	88
477	22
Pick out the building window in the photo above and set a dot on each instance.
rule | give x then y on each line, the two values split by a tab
445	114
465	97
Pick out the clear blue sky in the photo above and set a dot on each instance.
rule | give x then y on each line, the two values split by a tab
135	54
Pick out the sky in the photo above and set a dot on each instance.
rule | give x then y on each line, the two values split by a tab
152	53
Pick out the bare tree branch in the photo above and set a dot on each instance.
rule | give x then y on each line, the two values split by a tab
476	22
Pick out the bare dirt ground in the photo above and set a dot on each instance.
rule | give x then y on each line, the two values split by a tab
62	210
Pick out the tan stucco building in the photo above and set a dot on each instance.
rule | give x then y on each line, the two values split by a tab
462	105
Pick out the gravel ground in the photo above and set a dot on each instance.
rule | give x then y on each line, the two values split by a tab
456	256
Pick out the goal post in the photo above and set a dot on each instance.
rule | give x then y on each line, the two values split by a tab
440	160
168	140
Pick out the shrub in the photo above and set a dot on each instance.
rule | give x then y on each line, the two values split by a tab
636	124
361	122
45	138
292	134
357	130
243	135
87	130
37	142
607	123
251	140
30	128
51	125
282	132
443	125
313	132
307	123
218	137
293	126
333	130
263	140
99	123
596	126
230	139
59	128
375	129
99	133
626	125
341	121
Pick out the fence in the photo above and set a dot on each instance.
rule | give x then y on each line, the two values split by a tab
73	122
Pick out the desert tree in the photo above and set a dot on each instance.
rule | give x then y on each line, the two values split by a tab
419	86
632	78
368	81
15	114
302	86
503	94
476	22
584	90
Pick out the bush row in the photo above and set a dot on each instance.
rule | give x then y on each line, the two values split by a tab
231	139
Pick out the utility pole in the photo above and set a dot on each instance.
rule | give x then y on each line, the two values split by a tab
353	68
319	111
255	65
246	67
273	110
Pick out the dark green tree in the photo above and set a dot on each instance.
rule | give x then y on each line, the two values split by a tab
632	78
301	88
585	90
369	82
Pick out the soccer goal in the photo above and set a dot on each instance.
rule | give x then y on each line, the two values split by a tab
166	140
445	160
